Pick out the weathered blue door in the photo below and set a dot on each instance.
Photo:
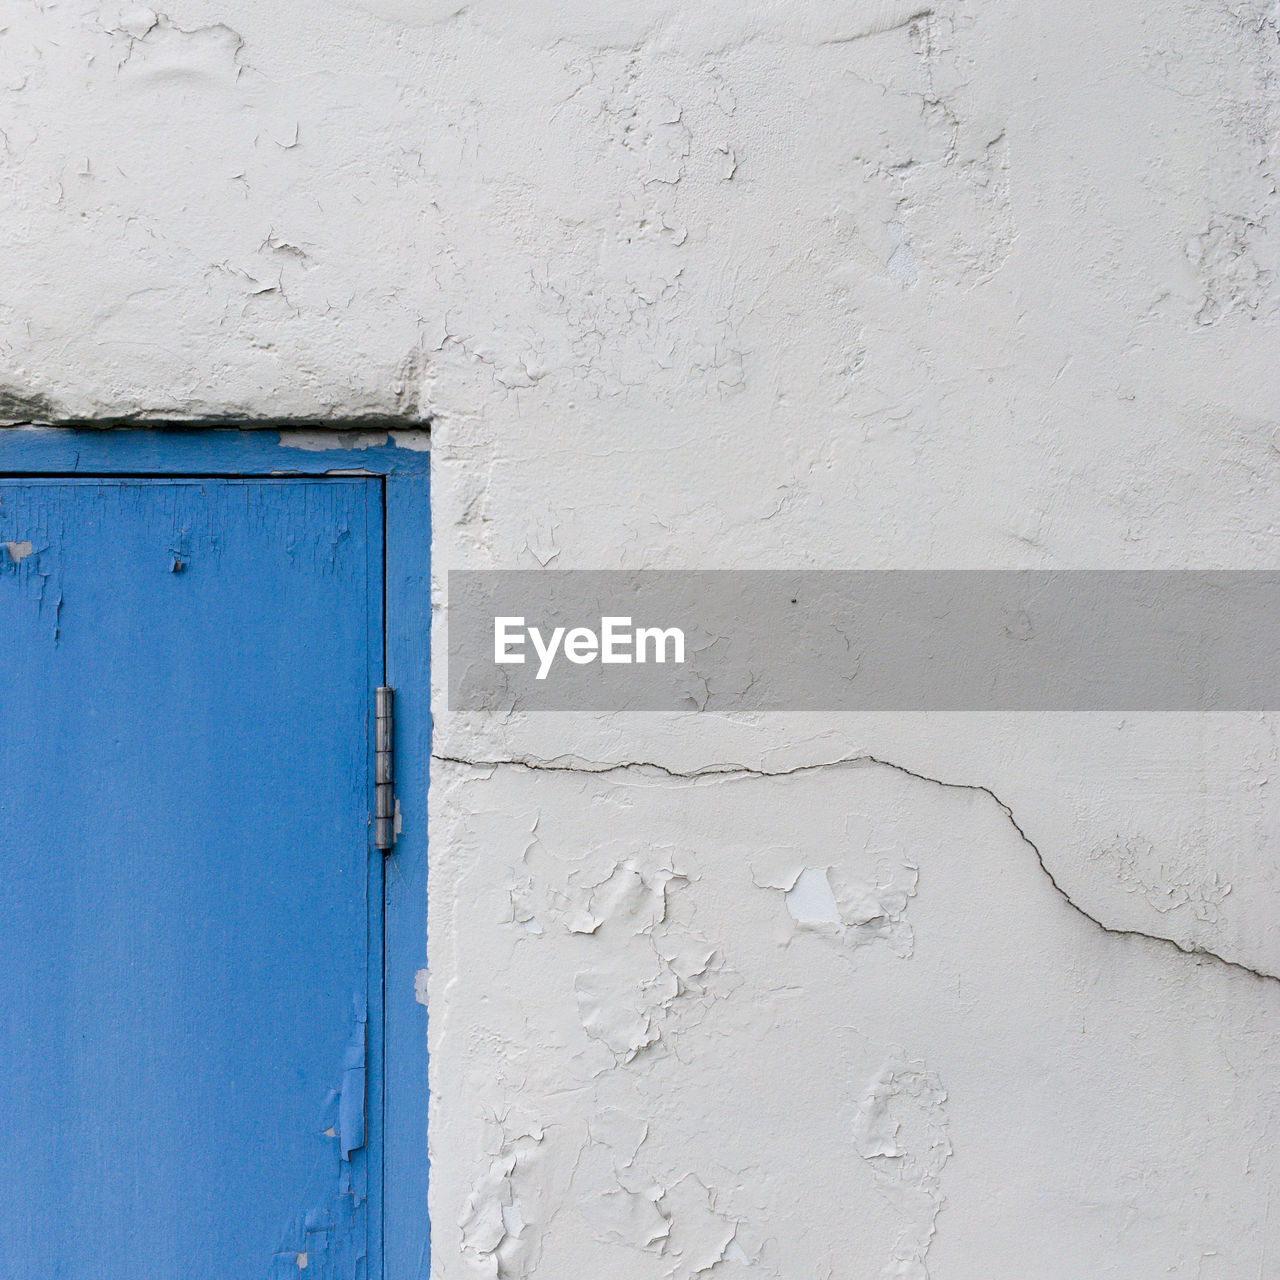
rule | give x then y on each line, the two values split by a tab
189	1031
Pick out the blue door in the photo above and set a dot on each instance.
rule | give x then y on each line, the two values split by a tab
190	909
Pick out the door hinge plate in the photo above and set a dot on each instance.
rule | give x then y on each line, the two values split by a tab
384	793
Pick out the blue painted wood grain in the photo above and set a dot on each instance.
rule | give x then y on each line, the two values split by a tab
185	677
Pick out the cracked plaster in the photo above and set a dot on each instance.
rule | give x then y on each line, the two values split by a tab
1015	1081
821	284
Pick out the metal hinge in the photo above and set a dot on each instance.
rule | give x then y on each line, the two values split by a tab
384	792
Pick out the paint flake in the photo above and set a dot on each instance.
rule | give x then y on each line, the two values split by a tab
901	1130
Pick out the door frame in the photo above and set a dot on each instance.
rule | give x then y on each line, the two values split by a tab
397	1079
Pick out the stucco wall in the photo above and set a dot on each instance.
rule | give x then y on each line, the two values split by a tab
754	284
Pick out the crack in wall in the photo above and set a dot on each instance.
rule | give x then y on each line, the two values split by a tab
859	761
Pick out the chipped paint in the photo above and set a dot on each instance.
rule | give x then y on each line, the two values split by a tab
856	1025
323	441
901	1130
877	285
129	1164
840	900
352	1093
495	1238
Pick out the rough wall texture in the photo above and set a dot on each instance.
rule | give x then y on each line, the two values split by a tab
820	284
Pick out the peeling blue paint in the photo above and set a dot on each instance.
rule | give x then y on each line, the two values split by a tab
395	1220
182	450
351	1100
188	884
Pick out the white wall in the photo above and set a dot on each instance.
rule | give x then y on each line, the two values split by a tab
749	284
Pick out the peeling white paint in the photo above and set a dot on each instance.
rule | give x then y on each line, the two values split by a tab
810	900
901	1130
850	284
323	441
939	995
621	1202
418	441
495	1239
840	898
